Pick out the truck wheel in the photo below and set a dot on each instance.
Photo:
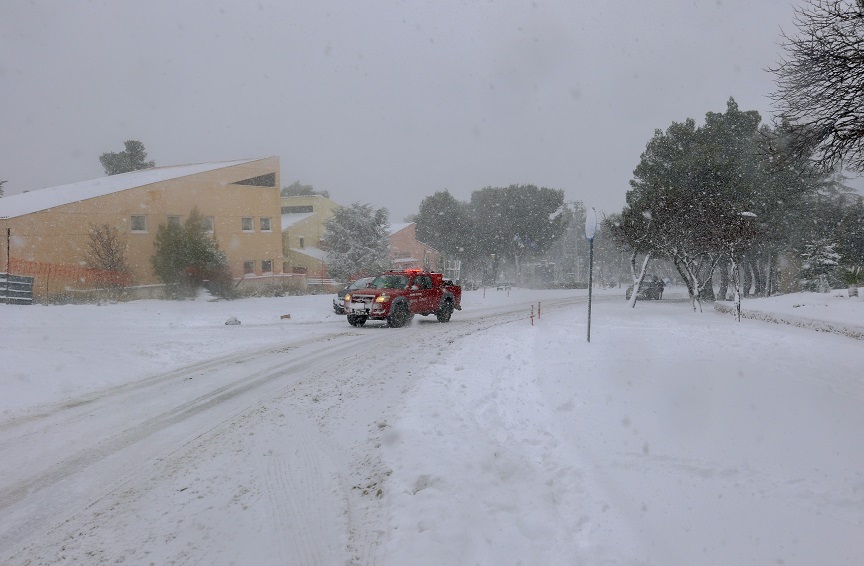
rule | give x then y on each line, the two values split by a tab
356	320
399	316
446	311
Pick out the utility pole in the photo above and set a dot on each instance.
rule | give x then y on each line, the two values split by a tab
590	231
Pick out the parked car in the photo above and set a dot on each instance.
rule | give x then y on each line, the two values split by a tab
339	300
651	288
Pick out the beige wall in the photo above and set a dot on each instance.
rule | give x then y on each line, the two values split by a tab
310	229
404	244
59	236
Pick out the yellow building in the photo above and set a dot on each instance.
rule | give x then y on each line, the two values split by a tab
46	232
303	219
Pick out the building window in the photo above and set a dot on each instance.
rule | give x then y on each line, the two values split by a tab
297	209
139	223
174	220
207	223
266	266
268	180
264	223
247	224
302	242
248	267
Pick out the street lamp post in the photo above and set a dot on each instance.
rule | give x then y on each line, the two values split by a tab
590	231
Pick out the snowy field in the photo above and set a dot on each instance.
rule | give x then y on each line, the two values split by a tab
152	433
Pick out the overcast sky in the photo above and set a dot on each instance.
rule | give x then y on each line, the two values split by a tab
382	102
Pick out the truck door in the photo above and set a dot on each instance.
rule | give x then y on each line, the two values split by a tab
429	300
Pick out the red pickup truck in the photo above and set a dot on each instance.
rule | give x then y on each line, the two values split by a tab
396	296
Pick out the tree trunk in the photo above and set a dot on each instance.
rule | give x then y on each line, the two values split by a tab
753	278
724	278
690	280
637	279
736	282
759	277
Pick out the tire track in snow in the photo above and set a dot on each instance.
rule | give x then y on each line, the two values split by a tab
300	487
85	402
325	356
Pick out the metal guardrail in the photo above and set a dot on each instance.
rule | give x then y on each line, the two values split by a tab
16	289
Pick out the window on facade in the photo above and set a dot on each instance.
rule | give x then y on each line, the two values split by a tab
207	223
265	224
247	224
248	267
268	180
174	220
302	242
266	266
297	209
139	223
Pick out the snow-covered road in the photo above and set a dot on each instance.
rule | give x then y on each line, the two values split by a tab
673	438
289	433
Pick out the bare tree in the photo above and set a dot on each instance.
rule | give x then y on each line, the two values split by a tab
820	83
106	250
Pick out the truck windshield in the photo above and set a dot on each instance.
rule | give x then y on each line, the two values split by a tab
390	282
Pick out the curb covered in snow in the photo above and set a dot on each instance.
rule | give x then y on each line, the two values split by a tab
851	331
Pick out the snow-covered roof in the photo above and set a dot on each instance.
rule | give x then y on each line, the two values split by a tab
316	253
43	199
293	218
393	228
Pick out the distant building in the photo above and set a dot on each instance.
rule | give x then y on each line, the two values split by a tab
48	229
407	252
303	219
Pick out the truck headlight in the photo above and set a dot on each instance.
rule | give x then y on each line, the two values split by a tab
347	298
382	298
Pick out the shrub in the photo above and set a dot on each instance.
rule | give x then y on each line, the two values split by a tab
187	256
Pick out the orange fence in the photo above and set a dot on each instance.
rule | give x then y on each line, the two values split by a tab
54	277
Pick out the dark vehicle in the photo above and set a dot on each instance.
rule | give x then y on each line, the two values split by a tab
650	289
339	301
396	296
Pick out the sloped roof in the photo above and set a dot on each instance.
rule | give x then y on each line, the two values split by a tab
393	228
43	199
316	253
292	218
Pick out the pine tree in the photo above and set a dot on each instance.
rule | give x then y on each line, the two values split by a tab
818	272
357	242
132	159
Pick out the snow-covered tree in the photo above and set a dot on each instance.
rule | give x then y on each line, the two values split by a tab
357	241
132	159
444	223
296	189
819	267
1	187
